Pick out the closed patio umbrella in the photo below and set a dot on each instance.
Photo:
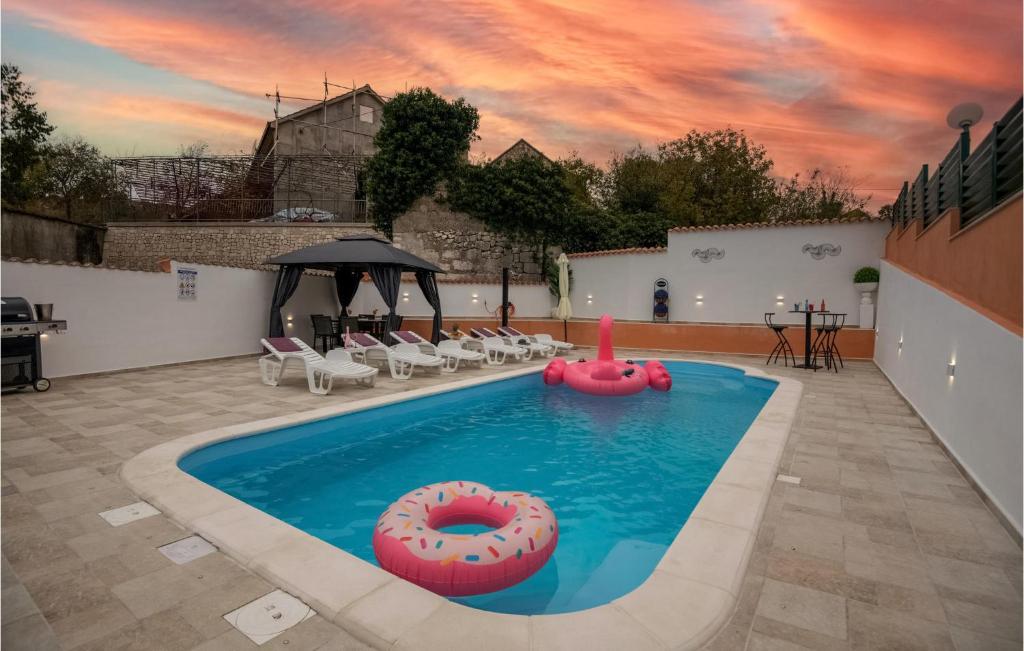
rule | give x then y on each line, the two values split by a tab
564	311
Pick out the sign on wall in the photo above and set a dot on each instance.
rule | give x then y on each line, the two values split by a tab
187	284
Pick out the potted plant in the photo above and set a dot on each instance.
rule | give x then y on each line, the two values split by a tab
866	281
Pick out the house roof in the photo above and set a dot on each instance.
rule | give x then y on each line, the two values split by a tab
519	149
365	89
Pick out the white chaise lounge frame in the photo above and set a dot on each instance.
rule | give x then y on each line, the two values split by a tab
448	350
401	359
320	371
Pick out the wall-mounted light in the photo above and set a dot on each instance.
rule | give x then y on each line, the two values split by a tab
44	336
405	296
779	299
700	299
590	299
476	298
899	344
290	324
951	369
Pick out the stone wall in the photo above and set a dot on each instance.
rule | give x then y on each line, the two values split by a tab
457	243
460	244
40	237
227	244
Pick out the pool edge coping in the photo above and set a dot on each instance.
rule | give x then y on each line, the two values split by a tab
682	604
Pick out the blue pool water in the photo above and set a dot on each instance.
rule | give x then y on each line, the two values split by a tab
621	474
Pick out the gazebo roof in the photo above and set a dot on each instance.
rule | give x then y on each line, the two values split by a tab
355	251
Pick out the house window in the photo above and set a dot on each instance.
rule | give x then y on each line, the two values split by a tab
365	113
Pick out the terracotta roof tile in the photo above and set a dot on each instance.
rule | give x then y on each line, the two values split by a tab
849	219
638	249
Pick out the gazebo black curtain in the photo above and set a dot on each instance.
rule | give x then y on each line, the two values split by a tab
288	277
428	285
347	283
387	279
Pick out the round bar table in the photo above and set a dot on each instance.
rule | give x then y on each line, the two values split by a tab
807	337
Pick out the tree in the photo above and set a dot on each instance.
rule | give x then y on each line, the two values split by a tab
72	172
24	130
422	141
824	195
885	212
524	198
723	175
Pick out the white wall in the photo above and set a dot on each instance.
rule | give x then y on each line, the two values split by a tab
977	412
457	300
130	319
759	265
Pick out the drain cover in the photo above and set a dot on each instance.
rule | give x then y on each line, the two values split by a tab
269	616
131	513
187	549
789	479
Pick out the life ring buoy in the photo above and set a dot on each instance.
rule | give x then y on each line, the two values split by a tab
511	311
408	542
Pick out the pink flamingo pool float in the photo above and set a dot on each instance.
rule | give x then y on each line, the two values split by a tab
409	543
607	376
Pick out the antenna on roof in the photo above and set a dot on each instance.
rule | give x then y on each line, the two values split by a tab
964	116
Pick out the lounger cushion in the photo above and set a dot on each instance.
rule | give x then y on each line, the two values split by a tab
364	339
407	336
283	345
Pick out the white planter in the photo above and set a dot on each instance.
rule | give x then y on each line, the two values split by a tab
865	290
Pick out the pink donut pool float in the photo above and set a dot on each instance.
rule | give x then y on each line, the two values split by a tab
408	542
607	376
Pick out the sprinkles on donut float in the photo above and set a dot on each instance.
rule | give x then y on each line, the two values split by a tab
408	543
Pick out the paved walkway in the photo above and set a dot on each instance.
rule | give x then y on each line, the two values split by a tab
882	545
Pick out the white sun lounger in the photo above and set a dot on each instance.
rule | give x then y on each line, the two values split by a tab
465	341
402	359
320	371
497	349
450	351
544	339
523	341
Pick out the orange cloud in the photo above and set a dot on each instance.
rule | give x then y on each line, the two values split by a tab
818	82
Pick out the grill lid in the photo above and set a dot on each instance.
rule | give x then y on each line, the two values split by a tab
15	309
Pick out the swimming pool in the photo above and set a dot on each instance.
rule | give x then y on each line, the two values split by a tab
622	474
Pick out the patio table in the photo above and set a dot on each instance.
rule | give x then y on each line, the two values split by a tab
374	327
807	337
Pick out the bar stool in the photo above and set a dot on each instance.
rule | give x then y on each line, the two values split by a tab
825	340
782	347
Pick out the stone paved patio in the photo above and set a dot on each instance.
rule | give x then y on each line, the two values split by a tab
882	545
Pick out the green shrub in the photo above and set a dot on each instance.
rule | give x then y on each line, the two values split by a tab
866	275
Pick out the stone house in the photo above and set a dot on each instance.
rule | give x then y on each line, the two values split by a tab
344	125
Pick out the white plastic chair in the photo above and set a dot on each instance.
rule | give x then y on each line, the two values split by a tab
320	371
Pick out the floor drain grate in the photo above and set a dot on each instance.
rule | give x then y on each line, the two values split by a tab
131	513
789	479
269	616
187	549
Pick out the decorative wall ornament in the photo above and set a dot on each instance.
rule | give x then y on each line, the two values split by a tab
820	251
707	255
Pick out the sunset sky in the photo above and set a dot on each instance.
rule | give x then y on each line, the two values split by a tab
820	83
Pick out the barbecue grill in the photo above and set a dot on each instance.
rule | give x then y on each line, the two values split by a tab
21	360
